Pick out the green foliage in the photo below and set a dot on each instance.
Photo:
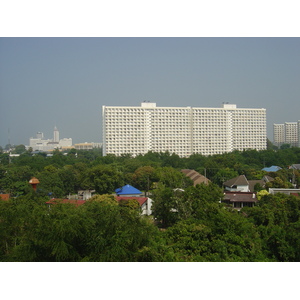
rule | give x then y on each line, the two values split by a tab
223	175
103	179
277	219
143	178
172	205
19	149
188	223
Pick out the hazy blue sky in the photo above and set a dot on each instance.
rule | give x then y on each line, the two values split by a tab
65	81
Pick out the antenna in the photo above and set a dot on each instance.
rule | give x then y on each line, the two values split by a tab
8	137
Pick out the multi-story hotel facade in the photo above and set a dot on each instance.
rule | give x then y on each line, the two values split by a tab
182	130
287	133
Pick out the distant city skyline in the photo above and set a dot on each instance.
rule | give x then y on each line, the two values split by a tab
63	82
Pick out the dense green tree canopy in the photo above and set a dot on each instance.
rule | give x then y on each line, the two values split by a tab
189	223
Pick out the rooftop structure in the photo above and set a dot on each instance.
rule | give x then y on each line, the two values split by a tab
242	184
128	190
34	182
271	169
238	200
196	177
182	130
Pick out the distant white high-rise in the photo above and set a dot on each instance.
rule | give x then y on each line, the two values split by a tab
41	144
182	130
287	133
278	134
291	133
55	135
298	132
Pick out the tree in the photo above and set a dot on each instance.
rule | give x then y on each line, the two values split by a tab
278	183
104	179
277	220
172	178
143	178
223	175
50	182
19	149
164	206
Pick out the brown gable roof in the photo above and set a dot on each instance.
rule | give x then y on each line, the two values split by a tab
252	183
240	197
267	178
240	180
195	176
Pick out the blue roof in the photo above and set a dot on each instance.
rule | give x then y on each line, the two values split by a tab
127	190
271	169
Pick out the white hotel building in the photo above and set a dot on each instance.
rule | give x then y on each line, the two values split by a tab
182	130
287	133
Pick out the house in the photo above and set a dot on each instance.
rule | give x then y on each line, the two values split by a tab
196	177
295	167
129	191
242	184
237	184
144	202
262	182
238	200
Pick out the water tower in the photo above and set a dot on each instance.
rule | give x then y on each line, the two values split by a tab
34	182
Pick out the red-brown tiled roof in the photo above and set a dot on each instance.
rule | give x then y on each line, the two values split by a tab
296	194
140	200
4	197
240	197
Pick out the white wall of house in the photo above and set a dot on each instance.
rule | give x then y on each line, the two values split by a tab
238	188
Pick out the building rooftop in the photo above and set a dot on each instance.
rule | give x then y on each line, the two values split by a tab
271	169
128	190
140	200
240	197
195	176
239	180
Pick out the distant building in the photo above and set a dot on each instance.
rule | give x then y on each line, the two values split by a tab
295	192
56	135
278	134
182	130
40	144
87	146
287	133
